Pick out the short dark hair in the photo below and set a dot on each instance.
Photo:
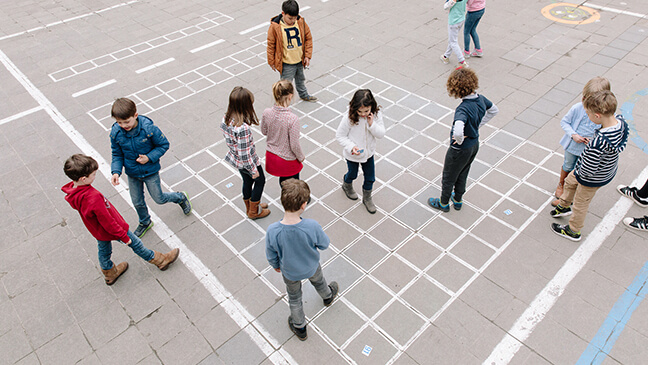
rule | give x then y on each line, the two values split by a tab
78	166
294	193
123	108
290	7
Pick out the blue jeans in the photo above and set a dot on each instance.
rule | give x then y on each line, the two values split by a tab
472	19
295	71
136	188
455	172
105	251
252	188
295	295
569	162
368	170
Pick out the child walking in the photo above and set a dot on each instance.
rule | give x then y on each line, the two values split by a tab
475	11
292	246
242	153
104	221
596	166
640	197
284	156
137	146
357	133
456	19
473	112
578	131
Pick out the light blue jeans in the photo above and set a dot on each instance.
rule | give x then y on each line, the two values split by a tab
296	72
136	188
569	162
453	41
295	295
105	251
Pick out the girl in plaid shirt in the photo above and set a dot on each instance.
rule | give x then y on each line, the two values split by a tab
242	154
284	155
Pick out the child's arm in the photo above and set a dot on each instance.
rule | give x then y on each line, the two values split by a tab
449	4
377	127
490	113
160	143
591	158
458	131
272	255
270	49
323	241
244	149
567	122
117	163
342	134
264	124
99	207
294	134
308	45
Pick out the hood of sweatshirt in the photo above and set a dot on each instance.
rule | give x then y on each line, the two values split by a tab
617	138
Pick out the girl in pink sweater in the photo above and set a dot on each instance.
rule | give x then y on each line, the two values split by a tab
474	12
284	155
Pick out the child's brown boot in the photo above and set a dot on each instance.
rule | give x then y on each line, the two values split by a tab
256	211
113	274
247	205
163	260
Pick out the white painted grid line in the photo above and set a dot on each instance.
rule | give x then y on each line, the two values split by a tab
93	88
151	67
21	114
232	307
198	49
613	10
209	21
256	27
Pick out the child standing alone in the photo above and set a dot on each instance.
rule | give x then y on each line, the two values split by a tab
456	19
292	246
357	133
104	221
242	153
473	112
284	155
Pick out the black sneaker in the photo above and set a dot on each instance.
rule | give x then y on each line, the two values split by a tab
565	231
640	224
141	229
185	204
301	333
631	192
559	211
334	290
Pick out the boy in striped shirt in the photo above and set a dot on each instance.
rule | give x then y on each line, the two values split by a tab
596	166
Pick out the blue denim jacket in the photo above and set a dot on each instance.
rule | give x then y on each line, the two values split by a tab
145	139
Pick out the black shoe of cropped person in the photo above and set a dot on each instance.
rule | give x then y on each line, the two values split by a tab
301	333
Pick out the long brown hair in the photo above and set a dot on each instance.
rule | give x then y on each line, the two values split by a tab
362	97
240	109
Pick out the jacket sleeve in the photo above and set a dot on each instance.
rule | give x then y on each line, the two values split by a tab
117	163
308	41
449	4
377	128
244	149
271	254
568	120
160	145
106	220
591	159
490	114
264	124
342	134
294	134
323	241
272	44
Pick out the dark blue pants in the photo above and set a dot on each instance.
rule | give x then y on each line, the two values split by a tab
368	170
470	29
455	172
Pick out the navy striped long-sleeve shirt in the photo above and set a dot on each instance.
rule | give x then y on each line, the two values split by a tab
598	164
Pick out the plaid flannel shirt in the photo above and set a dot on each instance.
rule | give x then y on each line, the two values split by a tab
242	154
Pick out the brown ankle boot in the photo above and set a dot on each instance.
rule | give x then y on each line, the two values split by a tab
256	211
113	274
247	205
163	260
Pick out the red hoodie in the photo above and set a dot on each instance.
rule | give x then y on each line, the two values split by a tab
100	217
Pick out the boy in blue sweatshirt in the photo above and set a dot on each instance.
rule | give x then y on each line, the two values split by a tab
596	166
137	146
292	246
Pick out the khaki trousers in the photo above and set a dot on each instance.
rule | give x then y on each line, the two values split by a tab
581	196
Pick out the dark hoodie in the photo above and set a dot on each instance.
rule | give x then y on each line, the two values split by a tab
100	217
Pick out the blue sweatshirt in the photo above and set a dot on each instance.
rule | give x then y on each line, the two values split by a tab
293	248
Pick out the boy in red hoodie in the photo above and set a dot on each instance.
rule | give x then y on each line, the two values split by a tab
104	221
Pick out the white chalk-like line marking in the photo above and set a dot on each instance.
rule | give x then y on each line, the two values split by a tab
259	335
67	20
198	49
20	115
612	10
259	26
545	300
149	68
93	88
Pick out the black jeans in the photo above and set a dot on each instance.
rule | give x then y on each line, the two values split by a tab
252	188
284	178
455	172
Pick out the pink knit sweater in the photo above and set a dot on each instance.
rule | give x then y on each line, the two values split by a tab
281	126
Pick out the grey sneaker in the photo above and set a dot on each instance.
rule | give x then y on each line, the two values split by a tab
334	290
310	98
141	229
185	204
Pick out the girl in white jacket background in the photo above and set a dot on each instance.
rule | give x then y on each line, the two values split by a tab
357	133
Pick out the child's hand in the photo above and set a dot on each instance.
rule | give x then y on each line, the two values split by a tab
355	150
278	270
254	176
142	159
114	179
579	139
370	119
129	242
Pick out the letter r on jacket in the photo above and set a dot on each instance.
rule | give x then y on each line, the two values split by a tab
292	33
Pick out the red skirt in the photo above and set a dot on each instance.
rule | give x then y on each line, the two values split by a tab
277	166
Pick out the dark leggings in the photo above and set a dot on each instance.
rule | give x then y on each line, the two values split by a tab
252	188
643	192
284	178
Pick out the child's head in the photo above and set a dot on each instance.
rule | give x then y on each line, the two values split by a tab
282	91
125	113
294	193
240	109
79	166
603	103
290	8
462	82
361	105
596	84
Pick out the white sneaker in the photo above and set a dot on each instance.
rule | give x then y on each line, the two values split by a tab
445	59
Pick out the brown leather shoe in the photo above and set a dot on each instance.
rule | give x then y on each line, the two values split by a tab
113	274
163	260
247	205
256	211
